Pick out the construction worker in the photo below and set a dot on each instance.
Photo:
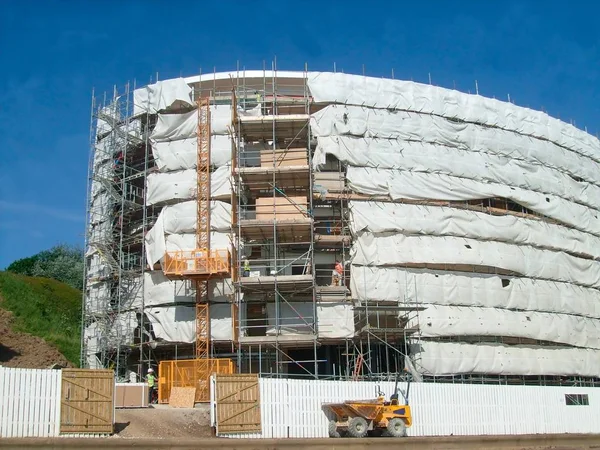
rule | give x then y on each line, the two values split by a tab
151	379
246	269
336	275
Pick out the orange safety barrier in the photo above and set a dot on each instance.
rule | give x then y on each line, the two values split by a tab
198	263
190	373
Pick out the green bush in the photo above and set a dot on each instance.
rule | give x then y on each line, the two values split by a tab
45	308
62	262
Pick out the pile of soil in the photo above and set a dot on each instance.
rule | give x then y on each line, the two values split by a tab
24	350
163	423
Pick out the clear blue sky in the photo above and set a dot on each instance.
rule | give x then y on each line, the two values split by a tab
546	54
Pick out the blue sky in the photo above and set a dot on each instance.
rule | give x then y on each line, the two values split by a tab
52	53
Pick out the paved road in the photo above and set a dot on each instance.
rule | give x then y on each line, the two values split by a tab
529	442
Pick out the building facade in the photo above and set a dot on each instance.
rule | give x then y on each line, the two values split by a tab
372	225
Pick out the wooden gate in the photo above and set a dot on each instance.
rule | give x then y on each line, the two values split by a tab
87	401
238	404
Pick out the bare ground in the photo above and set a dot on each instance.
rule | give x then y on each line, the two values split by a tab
24	350
163	423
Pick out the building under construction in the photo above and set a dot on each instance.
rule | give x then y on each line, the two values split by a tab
325	225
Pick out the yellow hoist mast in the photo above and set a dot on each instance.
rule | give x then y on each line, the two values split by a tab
203	226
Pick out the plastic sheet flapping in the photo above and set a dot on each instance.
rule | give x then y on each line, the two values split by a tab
161	96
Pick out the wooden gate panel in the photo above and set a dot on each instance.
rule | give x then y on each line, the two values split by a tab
238	404
87	401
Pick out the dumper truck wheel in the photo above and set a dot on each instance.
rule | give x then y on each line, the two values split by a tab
357	427
396	428
333	432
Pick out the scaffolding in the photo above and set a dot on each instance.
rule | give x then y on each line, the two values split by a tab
118	219
290	224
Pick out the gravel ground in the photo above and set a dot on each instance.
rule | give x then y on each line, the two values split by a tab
163	423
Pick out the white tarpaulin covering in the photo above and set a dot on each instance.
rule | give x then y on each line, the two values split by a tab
178	323
101	208
334	320
432	158
172	127
427	99
218	241
442	321
385	217
182	217
358	121
448	358
97	298
399	285
122	329
183	154
159	290
161	96
182	185
424	186
525	260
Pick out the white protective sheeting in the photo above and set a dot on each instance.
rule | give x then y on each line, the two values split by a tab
433	158
122	330
159	290
162	95
399	285
183	154
158	242
97	267
178	323
335	120
449	358
101	208
186	242
384	217
443	321
427	99
97	298
173	127
100	232
182	185
182	217
390	250
424	186
334	320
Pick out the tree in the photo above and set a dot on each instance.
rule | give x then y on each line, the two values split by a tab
62	262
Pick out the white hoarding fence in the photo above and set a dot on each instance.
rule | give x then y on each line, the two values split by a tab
292	408
29	402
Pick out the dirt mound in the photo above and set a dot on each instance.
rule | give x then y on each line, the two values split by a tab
23	350
163	423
